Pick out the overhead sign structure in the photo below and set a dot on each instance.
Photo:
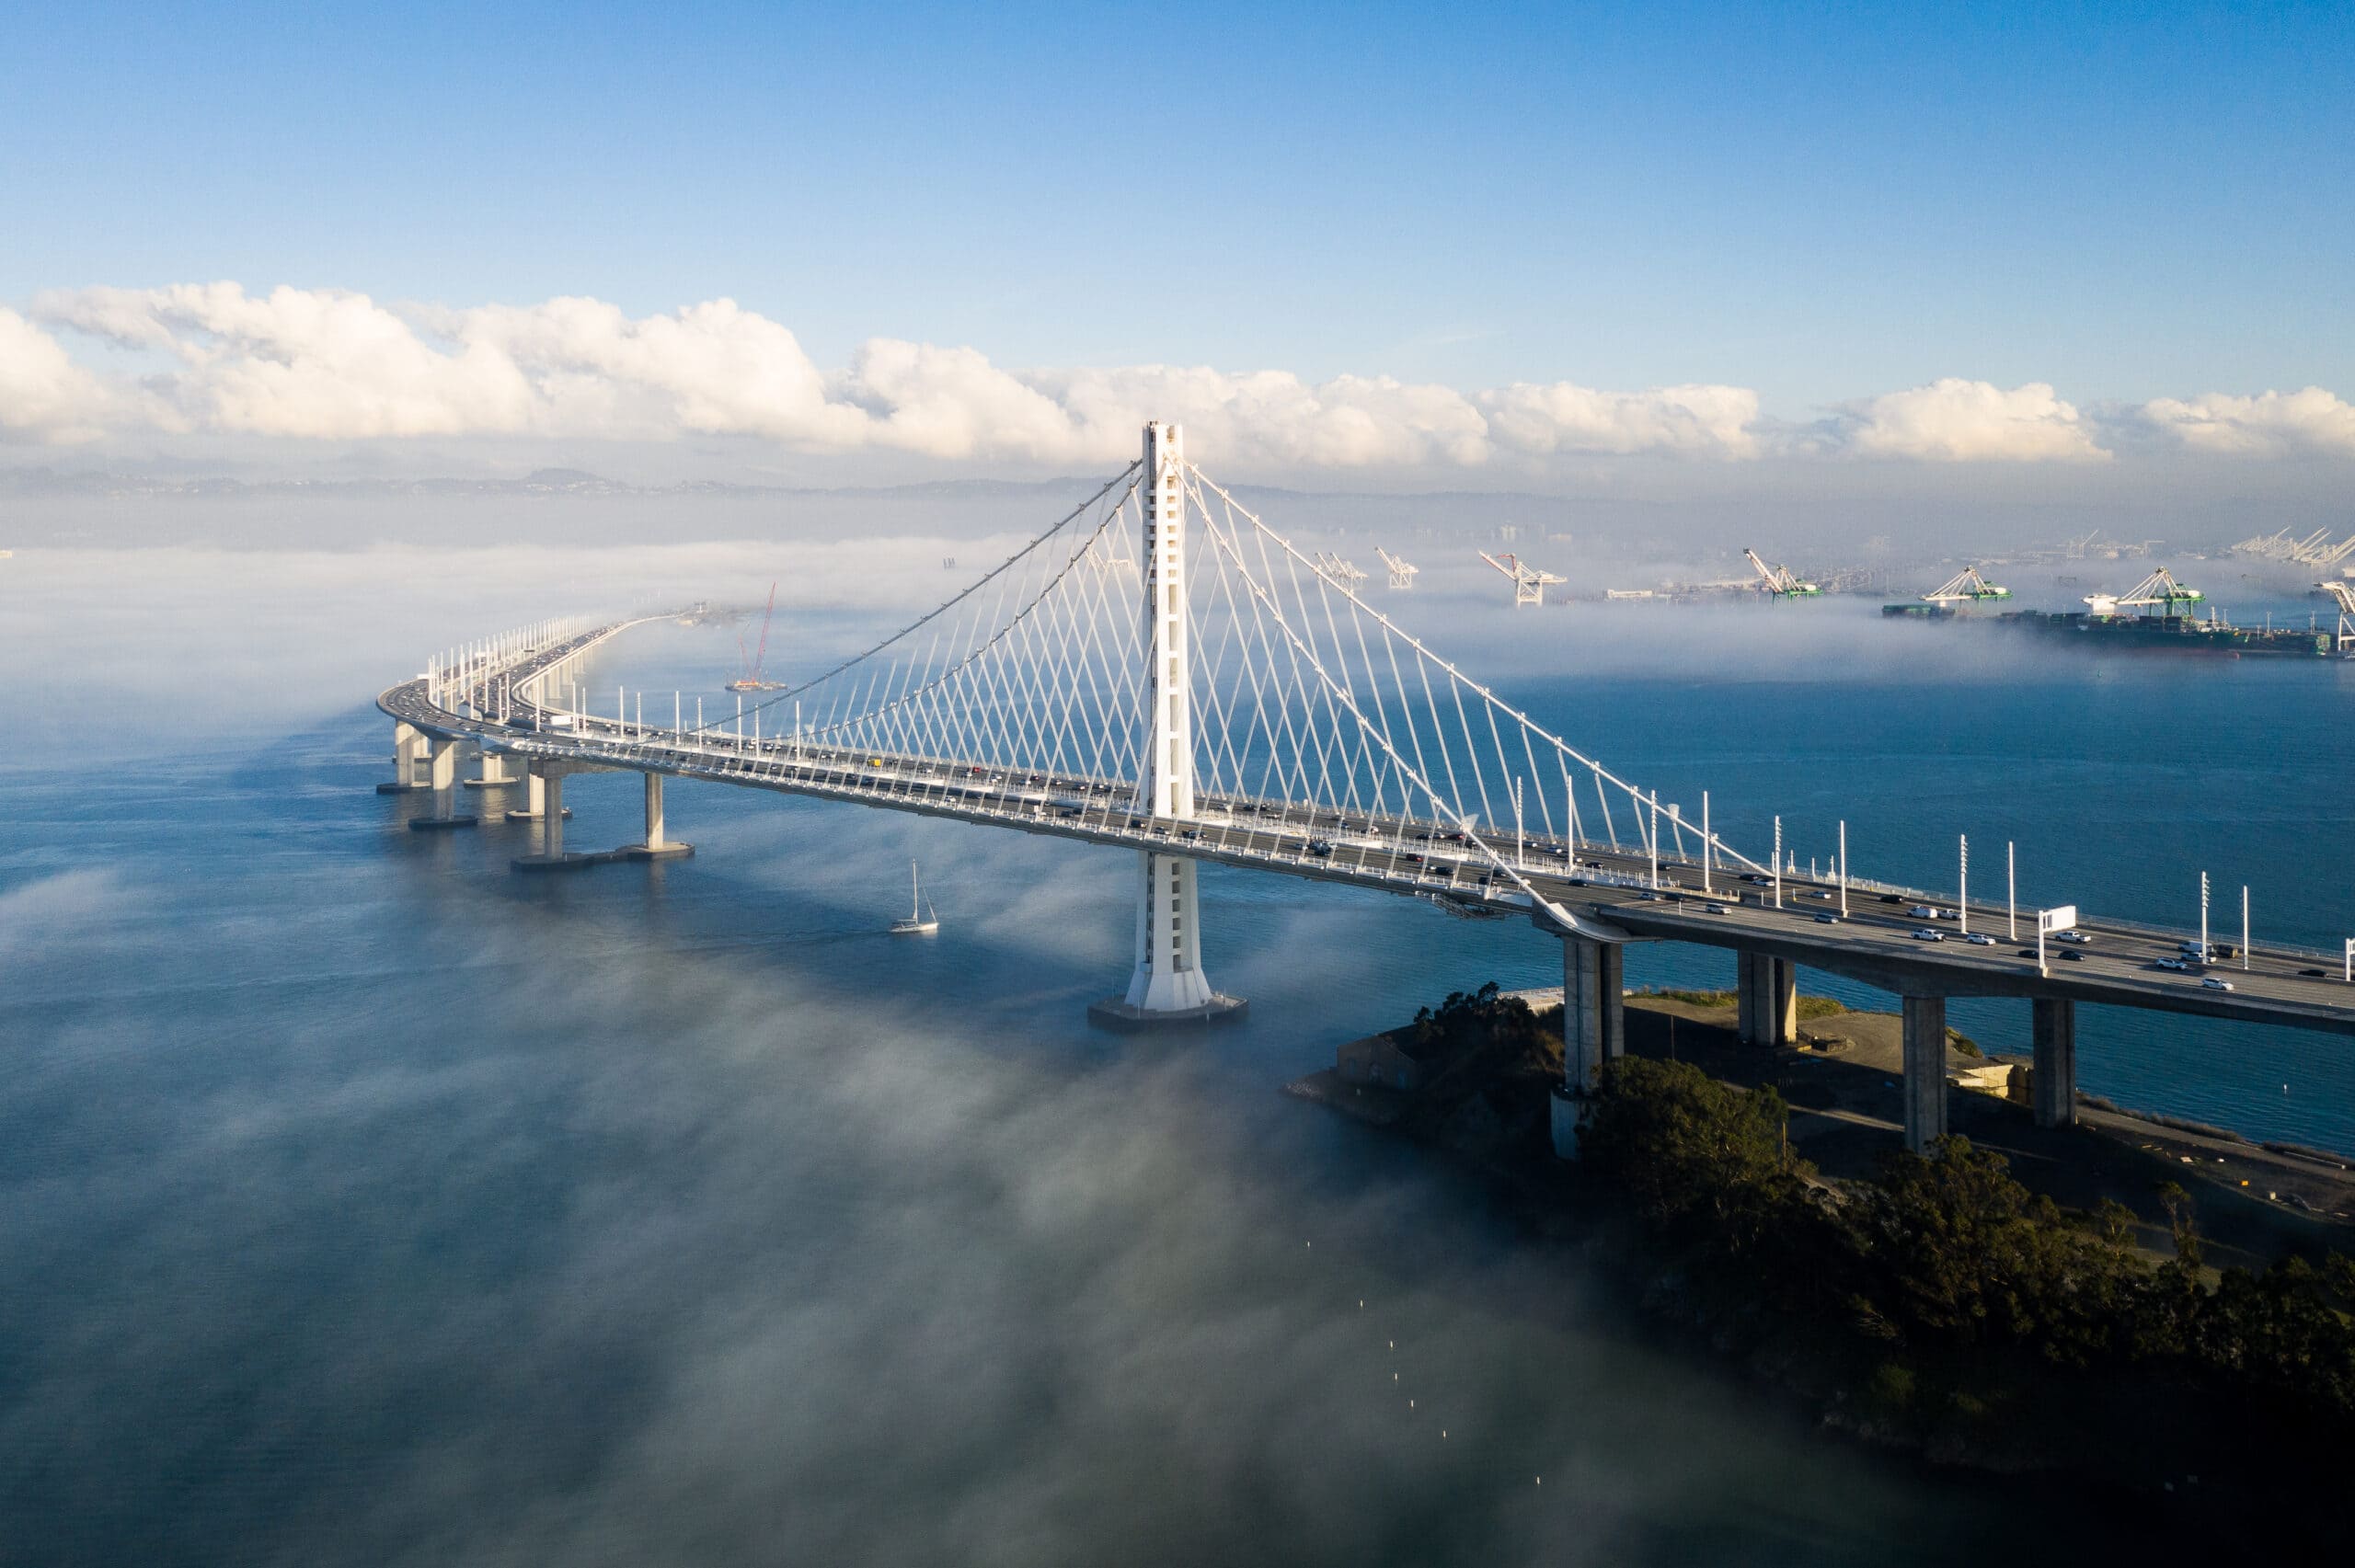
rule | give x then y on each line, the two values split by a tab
2048	921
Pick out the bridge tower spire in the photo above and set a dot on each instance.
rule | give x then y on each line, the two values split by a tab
1168	984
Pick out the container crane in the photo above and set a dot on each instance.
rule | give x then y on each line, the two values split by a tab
2343	595
1344	572
1529	584
2158	591
753	679
1778	582
1402	574
1966	585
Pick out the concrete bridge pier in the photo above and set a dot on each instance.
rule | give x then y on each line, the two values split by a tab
550	781
1766	993
2054	1079
656	846
409	744
1925	1071
1595	1030
536	797
441	769
494	774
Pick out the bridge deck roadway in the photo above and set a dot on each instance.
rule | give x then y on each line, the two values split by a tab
1607	885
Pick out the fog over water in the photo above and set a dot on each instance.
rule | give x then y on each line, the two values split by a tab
363	1203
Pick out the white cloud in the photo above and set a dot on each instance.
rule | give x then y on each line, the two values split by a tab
2270	424
1561	417
44	395
329	364
1954	420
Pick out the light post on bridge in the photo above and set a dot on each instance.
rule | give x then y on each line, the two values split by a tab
2011	891
1778	863
2203	918
1962	900
1844	868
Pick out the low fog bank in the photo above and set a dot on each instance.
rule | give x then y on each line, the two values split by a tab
374	1211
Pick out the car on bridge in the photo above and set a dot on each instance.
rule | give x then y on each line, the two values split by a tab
2215	982
1979	939
2078	938
1926	934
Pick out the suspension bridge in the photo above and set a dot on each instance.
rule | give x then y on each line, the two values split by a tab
1160	671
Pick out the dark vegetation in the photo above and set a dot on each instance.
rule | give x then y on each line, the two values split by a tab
1971	1314
1951	1254
1938	1304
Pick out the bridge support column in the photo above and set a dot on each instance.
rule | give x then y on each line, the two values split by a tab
2053	1028
1925	1071
536	797
1595	1030
494	774
656	846
1167	986
549	786
1766	992
442	768
409	744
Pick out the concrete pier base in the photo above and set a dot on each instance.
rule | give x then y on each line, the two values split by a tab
494	773
409	744
1118	1013
1595	1014
655	846
1568	1122
549	794
429	824
1925	1071
535	799
1766	993
2054	1079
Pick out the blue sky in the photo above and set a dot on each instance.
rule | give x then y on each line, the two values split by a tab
1821	203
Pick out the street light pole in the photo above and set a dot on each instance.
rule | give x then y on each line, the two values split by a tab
2012	889
2203	918
2244	925
1844	867
1962	903
1778	863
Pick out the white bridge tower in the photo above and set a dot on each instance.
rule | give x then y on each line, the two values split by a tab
1168	985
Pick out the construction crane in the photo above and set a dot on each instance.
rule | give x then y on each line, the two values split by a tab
1402	574
753	679
1966	585
1341	571
1778	582
1529	584
2158	591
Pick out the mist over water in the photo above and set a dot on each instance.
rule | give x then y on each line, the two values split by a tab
364	1203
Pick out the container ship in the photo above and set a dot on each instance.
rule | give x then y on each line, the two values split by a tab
2156	616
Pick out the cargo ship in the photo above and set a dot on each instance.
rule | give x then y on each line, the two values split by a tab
2156	616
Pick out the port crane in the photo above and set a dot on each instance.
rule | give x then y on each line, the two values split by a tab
1529	584
1966	585
2158	591
1402	574
753	679
1778	581
2315	550
1344	572
2343	595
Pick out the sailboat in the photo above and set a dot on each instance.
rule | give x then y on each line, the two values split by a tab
923	919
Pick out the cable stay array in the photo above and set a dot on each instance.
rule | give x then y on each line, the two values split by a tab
1305	702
